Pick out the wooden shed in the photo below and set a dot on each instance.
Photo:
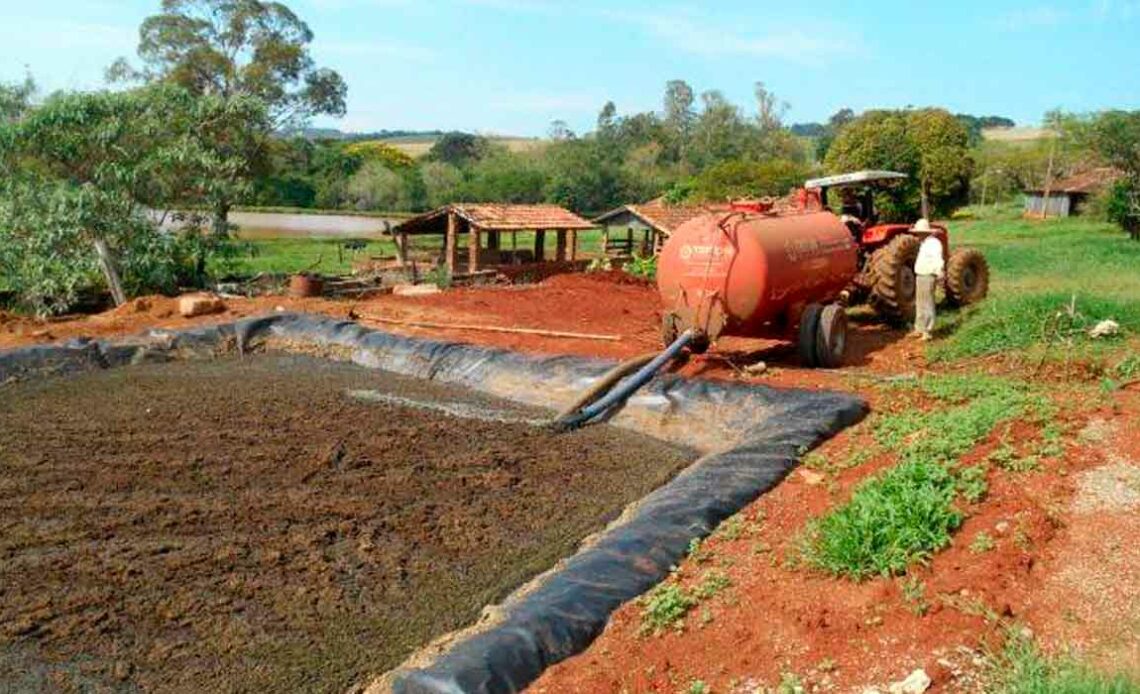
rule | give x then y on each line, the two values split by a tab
645	226
492	233
1068	196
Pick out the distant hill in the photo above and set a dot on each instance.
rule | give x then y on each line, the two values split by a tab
415	143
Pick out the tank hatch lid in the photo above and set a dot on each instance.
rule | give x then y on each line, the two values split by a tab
854	177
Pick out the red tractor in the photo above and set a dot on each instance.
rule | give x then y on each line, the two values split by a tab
887	252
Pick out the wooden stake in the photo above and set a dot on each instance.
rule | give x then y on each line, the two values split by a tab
449	250
107	263
493	329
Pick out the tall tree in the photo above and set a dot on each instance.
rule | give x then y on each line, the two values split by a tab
607	120
929	145
16	99
769	109
236	49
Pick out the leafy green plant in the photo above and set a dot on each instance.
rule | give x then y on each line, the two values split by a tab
642	266
664	608
698	687
982	543
971	483
440	276
914	595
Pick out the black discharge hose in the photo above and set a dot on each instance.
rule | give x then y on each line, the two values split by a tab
603	396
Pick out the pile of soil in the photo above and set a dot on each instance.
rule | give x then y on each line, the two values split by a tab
250	525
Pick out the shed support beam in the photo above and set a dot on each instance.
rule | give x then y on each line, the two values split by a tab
560	246
539	245
449	248
472	248
573	244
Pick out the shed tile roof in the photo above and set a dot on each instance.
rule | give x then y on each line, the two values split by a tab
496	217
1091	181
661	215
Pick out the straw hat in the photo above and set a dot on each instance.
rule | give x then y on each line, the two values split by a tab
922	226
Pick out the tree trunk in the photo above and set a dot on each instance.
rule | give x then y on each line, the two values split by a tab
221	226
925	201
107	264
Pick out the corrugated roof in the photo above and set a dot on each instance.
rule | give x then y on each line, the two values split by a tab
1091	181
496	217
661	215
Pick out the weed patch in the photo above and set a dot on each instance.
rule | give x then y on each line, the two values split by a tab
1021	668
907	513
667	605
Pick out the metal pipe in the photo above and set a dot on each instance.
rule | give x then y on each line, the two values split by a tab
626	388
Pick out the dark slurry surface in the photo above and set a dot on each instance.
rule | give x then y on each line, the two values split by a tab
251	526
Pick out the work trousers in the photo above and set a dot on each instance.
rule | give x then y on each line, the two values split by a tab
924	303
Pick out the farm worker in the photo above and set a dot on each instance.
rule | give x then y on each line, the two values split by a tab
928	269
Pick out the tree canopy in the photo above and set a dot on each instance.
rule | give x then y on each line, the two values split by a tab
237	48
929	145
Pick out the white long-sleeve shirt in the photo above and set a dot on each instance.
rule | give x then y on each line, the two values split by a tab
930	260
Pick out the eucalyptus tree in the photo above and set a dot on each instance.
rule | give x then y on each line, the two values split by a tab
237	49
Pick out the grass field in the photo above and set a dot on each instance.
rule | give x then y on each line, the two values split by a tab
329	256
1039	268
418	146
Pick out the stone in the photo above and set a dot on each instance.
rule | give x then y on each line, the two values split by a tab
756	369
415	289
811	477
916	682
1105	328
200	305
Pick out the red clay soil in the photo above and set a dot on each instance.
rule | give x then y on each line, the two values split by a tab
603	303
779	618
247	526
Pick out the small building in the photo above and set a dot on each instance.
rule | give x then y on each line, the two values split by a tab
646	226
490	233
1068	196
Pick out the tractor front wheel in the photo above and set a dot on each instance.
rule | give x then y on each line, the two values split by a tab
892	268
967	277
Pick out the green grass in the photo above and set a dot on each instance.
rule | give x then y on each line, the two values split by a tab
327	255
1037	268
287	256
1021	668
907	513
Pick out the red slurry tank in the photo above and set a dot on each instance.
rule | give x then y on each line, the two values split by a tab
753	272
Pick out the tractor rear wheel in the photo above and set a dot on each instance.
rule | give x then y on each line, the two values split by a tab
967	277
831	337
809	328
892	266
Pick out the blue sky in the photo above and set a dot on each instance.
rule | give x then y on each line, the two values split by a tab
512	66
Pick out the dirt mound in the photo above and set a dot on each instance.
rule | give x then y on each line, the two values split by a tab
603	277
251	526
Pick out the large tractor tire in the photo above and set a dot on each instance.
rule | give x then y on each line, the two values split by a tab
831	337
892	295
967	277
809	330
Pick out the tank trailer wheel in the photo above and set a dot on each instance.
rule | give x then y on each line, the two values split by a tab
894	284
809	329
831	337
967	277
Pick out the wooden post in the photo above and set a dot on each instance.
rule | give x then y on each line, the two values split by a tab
1048	179
573	244
449	249
605	241
107	263
514	248
539	245
560	246
402	249
472	248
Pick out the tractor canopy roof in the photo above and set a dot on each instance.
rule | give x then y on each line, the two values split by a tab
855	178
